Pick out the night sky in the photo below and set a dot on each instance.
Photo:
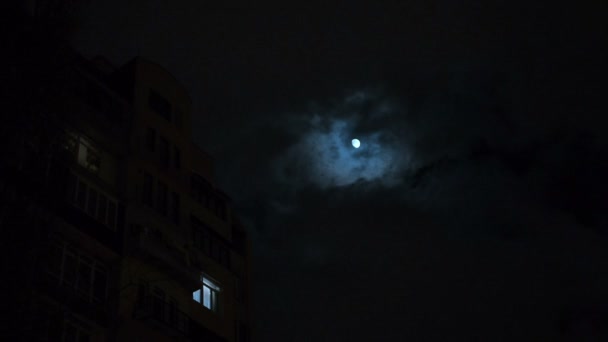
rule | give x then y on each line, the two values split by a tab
475	208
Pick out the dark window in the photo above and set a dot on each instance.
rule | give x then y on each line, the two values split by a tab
207	243
70	267
238	240
201	190
175	207
150	139
160	105
221	209
176	158
244	333
215	250
92	202
100	285
224	256
164	152
55	259
178	118
112	214
72	180
162	198
159	303
148	190
81	198
83	283
102	208
173	311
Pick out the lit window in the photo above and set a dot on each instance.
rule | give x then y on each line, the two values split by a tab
208	295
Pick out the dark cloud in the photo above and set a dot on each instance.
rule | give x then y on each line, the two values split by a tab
474	207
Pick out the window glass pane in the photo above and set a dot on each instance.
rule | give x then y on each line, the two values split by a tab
99	287
206	243
175	207
72	181
150	139
92	202
148	190
81	199
176	157
55	258
206	297
178	117
111	214
162	198
160	105
214	303
70	332
102	208
164	152
196	295
70	266
83	283
215	250
84	337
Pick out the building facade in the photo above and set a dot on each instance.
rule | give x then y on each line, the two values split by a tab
123	234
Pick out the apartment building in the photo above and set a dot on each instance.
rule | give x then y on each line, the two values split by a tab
120	232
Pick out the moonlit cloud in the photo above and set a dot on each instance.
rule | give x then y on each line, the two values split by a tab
325	153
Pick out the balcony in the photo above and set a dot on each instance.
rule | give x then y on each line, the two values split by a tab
161	314
74	301
153	248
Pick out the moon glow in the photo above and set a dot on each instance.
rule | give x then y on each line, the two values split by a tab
356	143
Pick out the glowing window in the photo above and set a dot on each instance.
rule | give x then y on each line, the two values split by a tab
208	294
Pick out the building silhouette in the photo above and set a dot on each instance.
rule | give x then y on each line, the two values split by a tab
114	228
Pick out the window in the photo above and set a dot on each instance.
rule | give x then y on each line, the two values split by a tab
82	150
88	156
199	188
80	273
176	158
92	201
102	209
210	243
178	118
158	303
160	105
175	207
81	197
162	198
52	325
164	152
111	215
150	139
173	310
208	294
148	190
74	332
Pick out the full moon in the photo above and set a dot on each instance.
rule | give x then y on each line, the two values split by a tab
356	143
